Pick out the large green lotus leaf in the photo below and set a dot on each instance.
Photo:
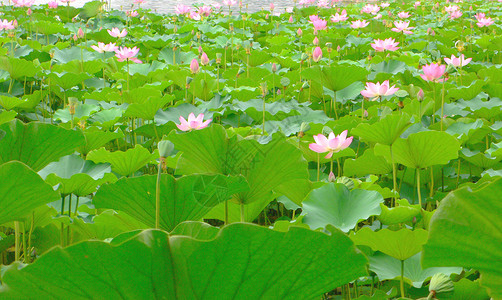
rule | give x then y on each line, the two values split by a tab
18	68
267	167
82	112
77	176
482	109
9	102
385	131
401	244
389	268
123	163
187	198
95	138
335	204
68	54
22	190
422	149
7	116
148	109
366	164
196	230
336	77
37	144
472	132
251	210
68	80
399	214
468	224
480	159
253	262
464	289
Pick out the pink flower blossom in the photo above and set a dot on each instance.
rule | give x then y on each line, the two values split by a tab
384	4
216	5
451	8
388	44
359	24
375	90
204	60
433	72
124	53
315	41
417	4
272	6
291	19
205	10
80	33
317	54
138	1
194	66
457	61
378	16
229	2
53	4
455	15
299	32
101	47
339	17
193	123
331	144
370	9
319	24
182	9
484	22
403	15
131	14
402	26
23	3
194	16
115	32
480	16
6	24
323	3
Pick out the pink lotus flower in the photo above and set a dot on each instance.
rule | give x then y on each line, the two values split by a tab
370	9
272	6
378	16
375	90
385	4
182	9
291	19
387	44
403	15
128	54
480	16
433	72
205	10
315	41
204	60
194	16
359	24
23	3
331	144
484	22
194	66
131	14
6	24
339	17
193	123
138	1
53	4
457	61
417	4
317	54
319	24
323	3
229	2
299	32
313	18
402	26
115	32
455	15
451	8
101	47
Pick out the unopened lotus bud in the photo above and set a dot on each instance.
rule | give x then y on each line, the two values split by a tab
331	177
272	6
72	105
175	29
317	54
440	283
80	33
194	66
290	19
75	38
304	127
315	41
264	90
329	47
430	31
231	26
188	81
166	148
29	12
299	32
218	58
338	48
274	67
204	60
198	35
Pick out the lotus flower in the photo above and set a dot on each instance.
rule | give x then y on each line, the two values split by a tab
299	32
23	3
451	8
194	66
182	9
378	16
6	24
359	24
484	22
138	1
319	24
124	53
205	10
216	5
229	2
339	17
115	32
433	72
204	60
193	123
403	15
387	44
317	54
417	4
194	16
370	9
375	90
402	26
101	47
455	14
384	4
323	3
457	61
480	16
53	4
315	41
131	14
331	144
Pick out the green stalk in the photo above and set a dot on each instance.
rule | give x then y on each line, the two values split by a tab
226	212
402	278
394	175
25	250
17	237
418	188
318	165
242	212
263	130
157	197
442	106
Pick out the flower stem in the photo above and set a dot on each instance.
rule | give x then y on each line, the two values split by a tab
394	177
402	279
17	238
418	188
243	219
157	197
318	165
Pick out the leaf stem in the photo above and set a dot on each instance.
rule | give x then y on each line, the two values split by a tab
17	237
418	188
402	278
157	197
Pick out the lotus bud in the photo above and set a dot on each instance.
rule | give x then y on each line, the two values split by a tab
278	91
204	60
194	66
272	6
430	31
317	54
72	105
290	19
188	81
315	41
198	36
264	89
440	283
29	12
266	17
75	38
299	32
304	127
331	177
80	33
200	50
231	26
218	58
274	67
338	48
166	148
420	95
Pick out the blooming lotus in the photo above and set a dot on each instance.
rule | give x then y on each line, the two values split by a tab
479	16
375	90
370	9
331	144
339	17
455	15
6	24
451	8
131	14
53	4
138	1
319	24
359	24
101	47
115	32
23	3
403	15
128	54
229	2
388	44
402	26
385	4
205	10
484	22
433	72
457	61
317	54
193	123
182	9
378	16
194	16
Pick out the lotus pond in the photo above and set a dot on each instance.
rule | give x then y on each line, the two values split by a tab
326	151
